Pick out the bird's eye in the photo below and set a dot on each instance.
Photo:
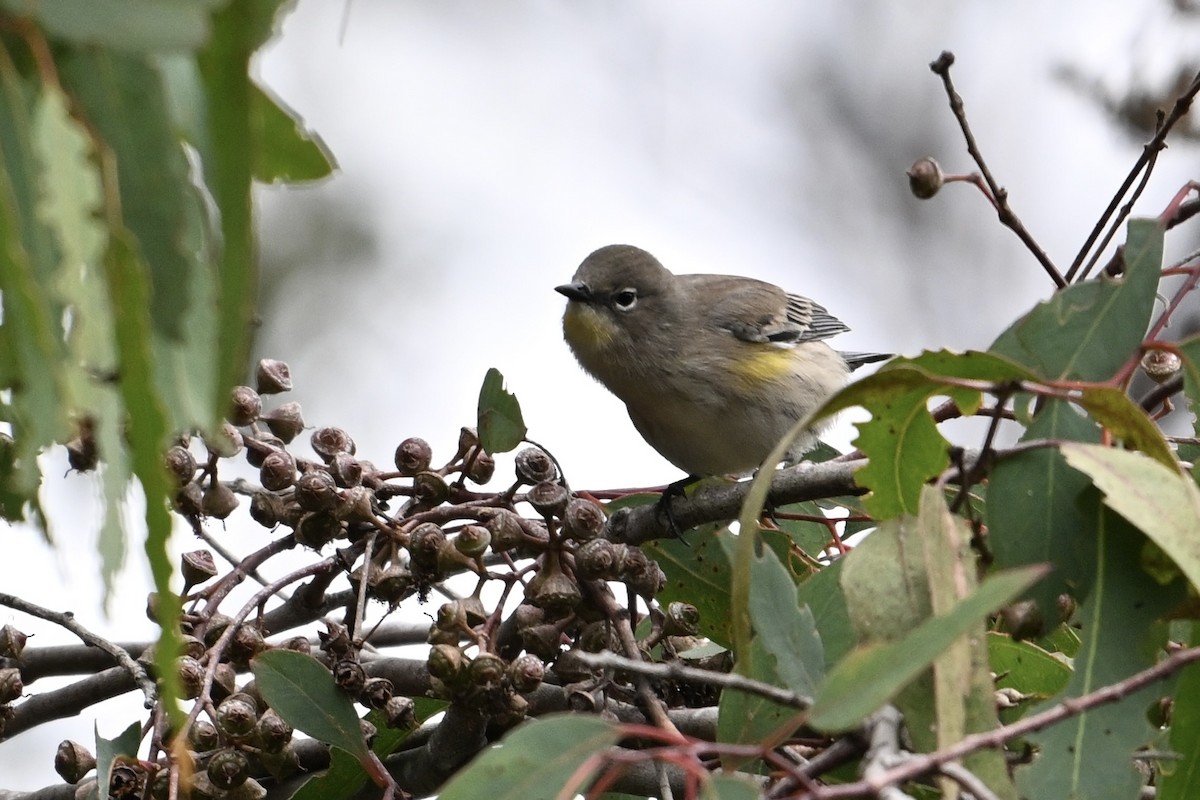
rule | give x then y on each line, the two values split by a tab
625	299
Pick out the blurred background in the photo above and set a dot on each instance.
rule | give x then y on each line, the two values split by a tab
486	149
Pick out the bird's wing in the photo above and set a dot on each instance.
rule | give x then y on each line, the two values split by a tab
755	311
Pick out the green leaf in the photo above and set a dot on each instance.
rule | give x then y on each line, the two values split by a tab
822	594
1026	667
1032	515
1163	503
871	675
123	24
302	691
501	426
125	744
345	776
284	150
1091	754
1088	331
729	787
1126	420
1190	350
744	718
1180	779
536	759
903	445
790	637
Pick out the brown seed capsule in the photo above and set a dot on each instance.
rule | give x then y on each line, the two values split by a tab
925	178
204	736
316	491
356	505
376	692
266	509
181	464
467	439
246	644
413	455
425	541
1161	365
191	676
12	642
369	732
328	442
11	685
237	715
597	636
350	676
228	769
197	566
125	781
557	593
218	501
286	422
526	672
272	377
480	467
262	446
217	624
244	406
400	713
447	663
683	619
272	732
487	670
549	499
473	540
336	640
517	708
430	489
534	465
317	529
570	667
226	442
187	500
505	528
596	559
647	581
543	641
346	470
583	520
297	644
278	471
224	682
72	761
394	584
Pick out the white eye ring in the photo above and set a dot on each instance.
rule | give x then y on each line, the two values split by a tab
624	299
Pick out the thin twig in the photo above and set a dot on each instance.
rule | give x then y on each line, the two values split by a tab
1008	218
67	620
968	780
674	671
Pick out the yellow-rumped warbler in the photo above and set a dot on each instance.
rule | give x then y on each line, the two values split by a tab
714	369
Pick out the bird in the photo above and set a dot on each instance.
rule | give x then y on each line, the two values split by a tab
713	369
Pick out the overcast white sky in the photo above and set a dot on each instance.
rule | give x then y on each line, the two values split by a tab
485	149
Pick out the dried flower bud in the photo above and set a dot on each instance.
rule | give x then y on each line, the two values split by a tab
11	686
12	642
583	520
413	455
192	646
244	407
246	644
187	500
526	672
543	641
191	676
1161	365
400	713
237	715
328	442
376	692
336	640
487	671
349	675
126	780
556	592
297	644
549	499
430	489
316	491
646	581
317	529
228	769
217	624
517	708
272	377
224	682
425	541
534	465
596	559
473	540
925	178
181	464
278	471
480	467
72	761
286	422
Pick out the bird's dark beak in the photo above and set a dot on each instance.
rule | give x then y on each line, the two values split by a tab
575	291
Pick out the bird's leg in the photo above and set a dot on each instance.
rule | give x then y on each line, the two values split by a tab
663	507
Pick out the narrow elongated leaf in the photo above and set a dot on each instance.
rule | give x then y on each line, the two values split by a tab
1032	512
1087	331
302	691
536	759
1091	754
869	676
1162	502
501	426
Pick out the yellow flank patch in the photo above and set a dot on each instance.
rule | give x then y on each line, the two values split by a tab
584	328
766	364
